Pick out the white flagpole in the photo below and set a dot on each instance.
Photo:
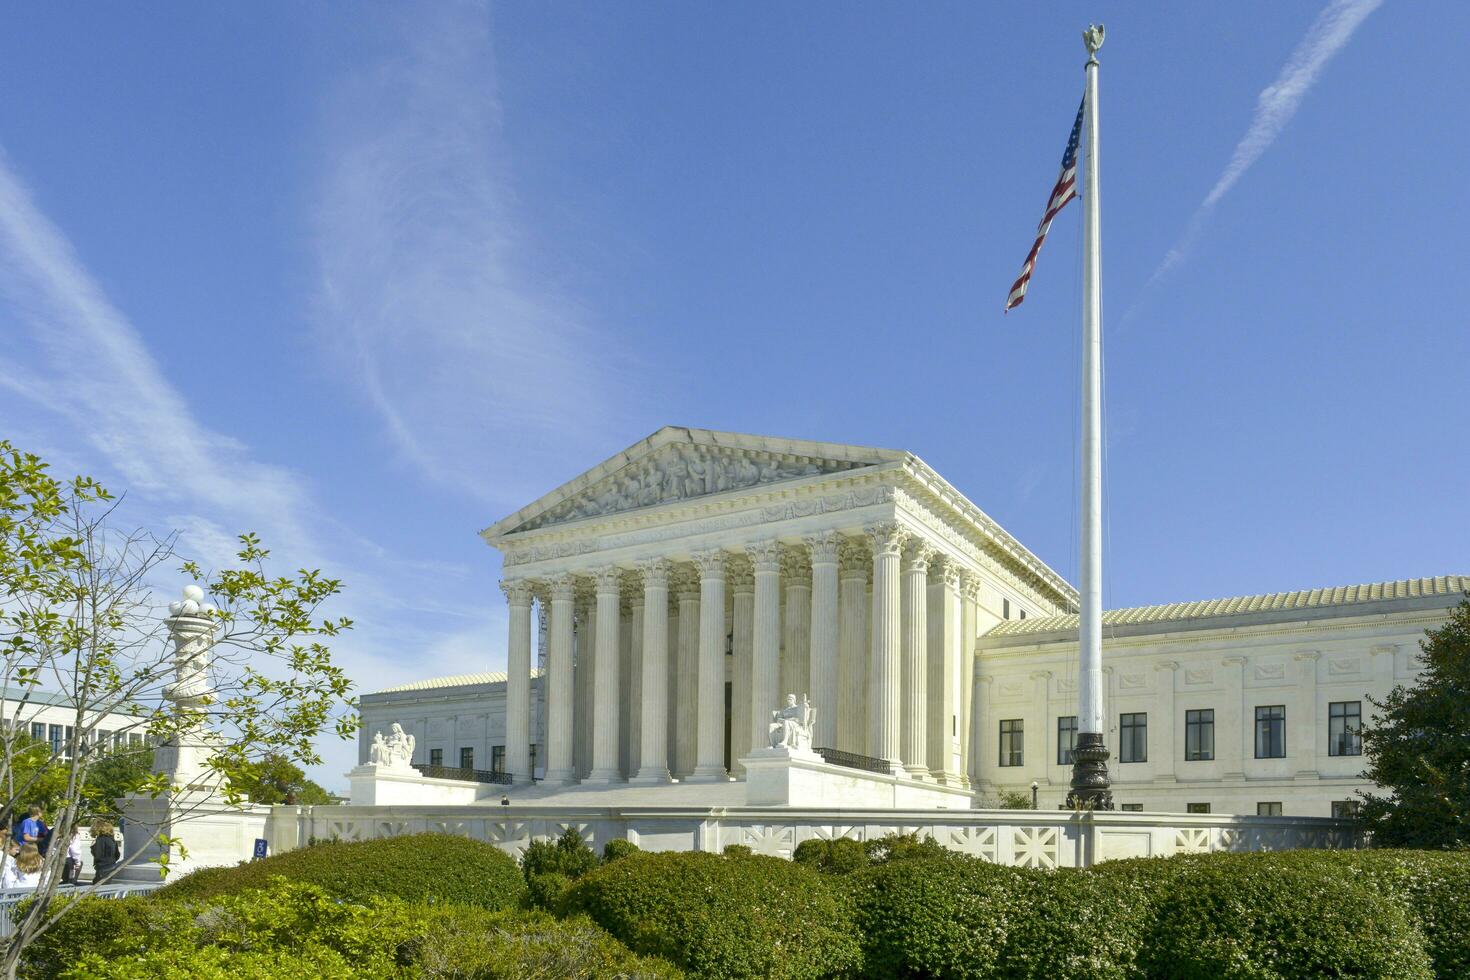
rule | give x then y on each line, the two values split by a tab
1090	783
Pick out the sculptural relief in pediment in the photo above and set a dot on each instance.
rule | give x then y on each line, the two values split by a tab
683	472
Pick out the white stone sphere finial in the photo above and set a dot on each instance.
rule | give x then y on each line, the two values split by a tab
192	604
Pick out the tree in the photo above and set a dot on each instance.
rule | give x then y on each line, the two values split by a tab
276	779
1419	748
78	616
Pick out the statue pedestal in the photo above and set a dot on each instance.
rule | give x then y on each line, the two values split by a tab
379	785
799	778
211	832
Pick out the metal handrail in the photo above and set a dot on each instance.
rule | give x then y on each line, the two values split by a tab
467	775
11	897
851	760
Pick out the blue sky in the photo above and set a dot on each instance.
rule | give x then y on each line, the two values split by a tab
365	278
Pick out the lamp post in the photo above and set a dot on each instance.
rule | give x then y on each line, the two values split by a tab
1034	786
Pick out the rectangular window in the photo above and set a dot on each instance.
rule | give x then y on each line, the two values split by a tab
1066	739
1268	809
497	758
467	758
1271	731
1023	614
436	757
38	732
1344	719
1131	807
102	737
1012	737
1196	808
135	740
1345	809
1199	735
54	733
1133	737
1005	606
533	760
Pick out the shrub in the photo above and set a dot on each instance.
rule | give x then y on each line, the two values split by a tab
751	917
566	855
1431	887
937	918
547	890
618	848
905	847
841	856
1250	916
417	868
529	946
111	928
737	851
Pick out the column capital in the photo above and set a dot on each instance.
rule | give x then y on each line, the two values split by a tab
795	568
1235	661
655	572
518	591
765	555
1307	655
1167	665
684	582
1381	648
943	569
970	585
1041	675
824	547
710	564
916	554
609	580
887	538
855	559
564	587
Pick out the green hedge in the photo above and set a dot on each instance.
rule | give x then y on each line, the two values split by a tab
1257	916
417	868
724	917
291	930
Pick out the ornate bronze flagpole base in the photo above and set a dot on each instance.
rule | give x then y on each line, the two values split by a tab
1090	783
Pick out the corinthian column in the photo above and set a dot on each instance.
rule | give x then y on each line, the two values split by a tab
653	753
559	697
796	627
686	687
852	647
742	587
915	665
944	675
605	681
823	646
765	651
969	626
518	681
884	706
709	757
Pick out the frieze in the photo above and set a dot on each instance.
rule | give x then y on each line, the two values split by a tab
1340	666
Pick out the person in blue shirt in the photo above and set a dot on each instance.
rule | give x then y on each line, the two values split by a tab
33	830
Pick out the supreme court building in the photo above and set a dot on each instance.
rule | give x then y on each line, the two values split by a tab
663	603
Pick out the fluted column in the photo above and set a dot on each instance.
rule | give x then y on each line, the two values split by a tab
518	681
884	704
969	601
635	682
796	626
605	680
765	650
914	673
559	704
585	658
686	687
823	644
944	675
852	647
742	586
653	752
709	757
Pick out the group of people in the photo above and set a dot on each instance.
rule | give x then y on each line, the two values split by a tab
23	850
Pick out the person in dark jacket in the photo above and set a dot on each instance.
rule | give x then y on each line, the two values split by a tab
105	852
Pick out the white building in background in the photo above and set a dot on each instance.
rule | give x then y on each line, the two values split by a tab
50	718
673	594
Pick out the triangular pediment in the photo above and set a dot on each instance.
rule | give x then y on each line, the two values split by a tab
676	464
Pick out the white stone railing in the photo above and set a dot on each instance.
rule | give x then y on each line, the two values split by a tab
1023	838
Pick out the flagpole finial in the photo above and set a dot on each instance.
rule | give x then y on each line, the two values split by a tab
1093	38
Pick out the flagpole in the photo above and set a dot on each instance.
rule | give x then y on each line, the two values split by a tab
1090	782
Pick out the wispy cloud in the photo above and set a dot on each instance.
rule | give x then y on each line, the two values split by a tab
1275	106
482	371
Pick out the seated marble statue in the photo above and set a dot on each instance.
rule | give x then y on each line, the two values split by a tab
393	752
791	726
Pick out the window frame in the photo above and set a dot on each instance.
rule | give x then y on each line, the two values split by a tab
1196	808
1201	726
467	757
1274	730
1341	736
1012	743
436	757
497	758
1130	732
1263	808
1065	747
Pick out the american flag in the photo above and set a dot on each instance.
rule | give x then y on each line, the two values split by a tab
1064	191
